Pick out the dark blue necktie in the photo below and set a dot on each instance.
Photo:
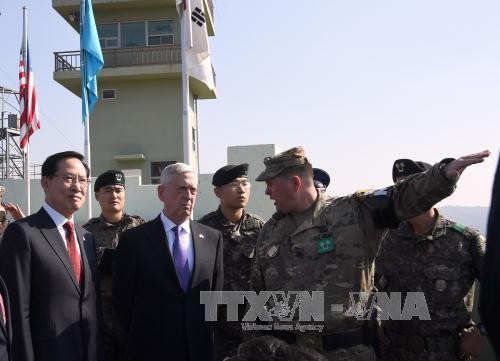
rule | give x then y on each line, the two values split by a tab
180	253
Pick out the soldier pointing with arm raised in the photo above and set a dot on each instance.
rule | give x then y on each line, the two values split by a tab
317	244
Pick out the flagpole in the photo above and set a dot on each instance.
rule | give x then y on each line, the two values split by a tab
87	157
185	87
86	137
27	153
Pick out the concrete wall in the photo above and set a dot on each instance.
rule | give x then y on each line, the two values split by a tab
145	118
253	155
147	12
142	199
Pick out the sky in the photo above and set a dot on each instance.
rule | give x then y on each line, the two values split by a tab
357	83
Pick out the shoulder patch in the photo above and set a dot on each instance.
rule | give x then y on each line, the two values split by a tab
458	227
380	192
361	194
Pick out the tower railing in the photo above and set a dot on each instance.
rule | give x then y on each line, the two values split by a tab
157	55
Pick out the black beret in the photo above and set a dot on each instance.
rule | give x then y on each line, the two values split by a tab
110	177
321	178
406	167
228	173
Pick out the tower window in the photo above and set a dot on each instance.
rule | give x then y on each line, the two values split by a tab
157	167
109	94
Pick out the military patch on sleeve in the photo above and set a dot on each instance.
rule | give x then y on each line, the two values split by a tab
325	245
380	192
361	195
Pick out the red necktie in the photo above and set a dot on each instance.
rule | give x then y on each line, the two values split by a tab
74	257
2	308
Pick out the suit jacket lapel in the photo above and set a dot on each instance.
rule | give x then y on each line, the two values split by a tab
201	256
53	237
85	263
160	242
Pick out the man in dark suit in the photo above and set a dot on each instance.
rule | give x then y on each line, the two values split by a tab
160	269
5	324
49	267
489	301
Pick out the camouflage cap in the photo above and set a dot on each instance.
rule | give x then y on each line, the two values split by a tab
278	163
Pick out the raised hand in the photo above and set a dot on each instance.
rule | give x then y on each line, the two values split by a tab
453	169
14	210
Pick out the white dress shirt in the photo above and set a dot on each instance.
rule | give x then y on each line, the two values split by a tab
59	221
168	225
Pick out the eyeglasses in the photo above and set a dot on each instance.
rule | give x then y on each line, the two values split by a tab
237	185
70	180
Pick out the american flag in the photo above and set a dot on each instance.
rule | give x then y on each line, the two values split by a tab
30	120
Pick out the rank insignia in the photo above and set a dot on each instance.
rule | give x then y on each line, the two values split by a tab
272	251
325	245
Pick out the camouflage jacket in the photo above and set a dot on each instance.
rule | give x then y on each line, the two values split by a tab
239	245
333	250
443	264
106	234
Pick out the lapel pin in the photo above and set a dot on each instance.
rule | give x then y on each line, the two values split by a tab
201	235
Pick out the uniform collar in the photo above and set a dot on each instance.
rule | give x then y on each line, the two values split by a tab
108	223
439	229
221	218
316	211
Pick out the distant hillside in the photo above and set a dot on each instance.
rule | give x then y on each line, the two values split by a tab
475	217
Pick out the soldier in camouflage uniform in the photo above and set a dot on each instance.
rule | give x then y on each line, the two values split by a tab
441	258
109	191
317	244
240	230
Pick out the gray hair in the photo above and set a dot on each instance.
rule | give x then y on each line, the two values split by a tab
174	169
